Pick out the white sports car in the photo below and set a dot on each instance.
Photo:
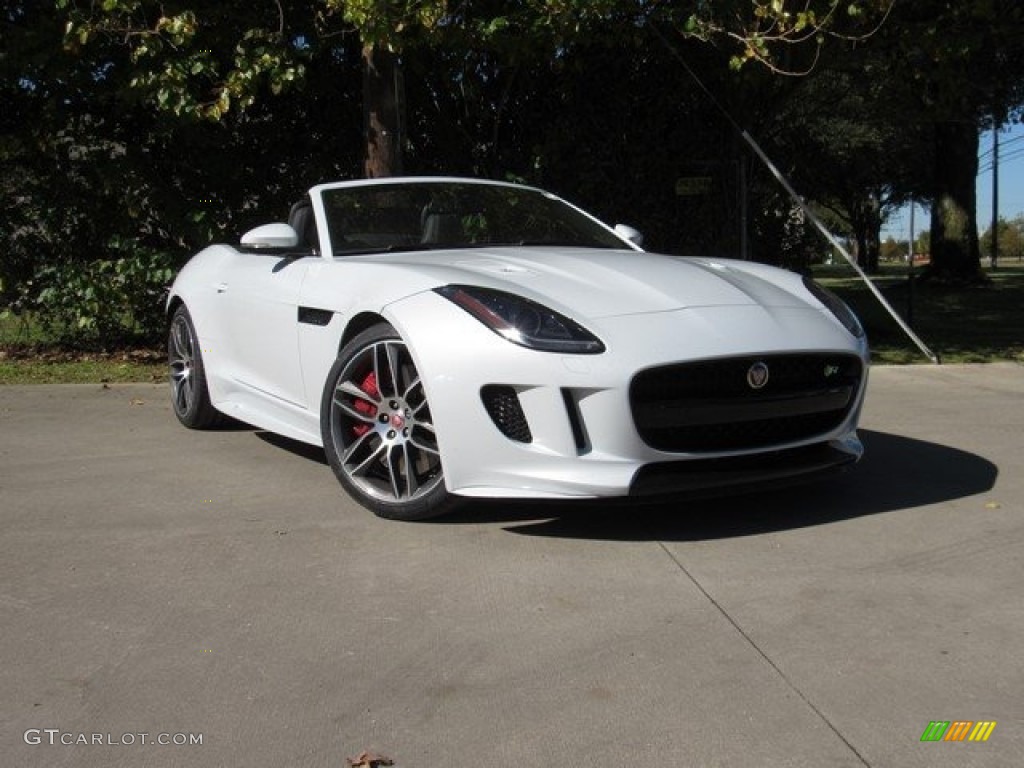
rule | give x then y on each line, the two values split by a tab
446	338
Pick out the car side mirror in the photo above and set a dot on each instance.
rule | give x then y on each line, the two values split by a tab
277	236
626	232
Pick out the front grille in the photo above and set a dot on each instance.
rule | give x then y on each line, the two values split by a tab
710	405
502	404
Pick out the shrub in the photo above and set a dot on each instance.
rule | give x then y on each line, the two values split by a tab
107	302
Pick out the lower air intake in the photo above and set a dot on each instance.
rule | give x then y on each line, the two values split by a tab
502	404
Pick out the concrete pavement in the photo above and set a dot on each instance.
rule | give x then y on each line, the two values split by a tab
220	587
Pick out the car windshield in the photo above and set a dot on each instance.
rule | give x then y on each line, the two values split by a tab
432	215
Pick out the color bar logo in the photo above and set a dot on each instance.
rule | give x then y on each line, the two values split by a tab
958	730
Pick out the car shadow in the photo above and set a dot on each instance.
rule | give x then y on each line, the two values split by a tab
296	447
896	473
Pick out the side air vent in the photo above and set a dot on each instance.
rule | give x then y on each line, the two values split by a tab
314	316
502	404
579	433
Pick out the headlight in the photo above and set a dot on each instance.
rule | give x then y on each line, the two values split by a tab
836	306
522	321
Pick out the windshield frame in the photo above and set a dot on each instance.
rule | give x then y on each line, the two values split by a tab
412	199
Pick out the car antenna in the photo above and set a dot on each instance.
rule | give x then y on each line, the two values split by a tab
796	198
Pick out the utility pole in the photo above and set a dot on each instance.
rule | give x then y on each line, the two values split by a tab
995	194
910	270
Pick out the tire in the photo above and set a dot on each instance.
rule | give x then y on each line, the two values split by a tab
377	429
190	396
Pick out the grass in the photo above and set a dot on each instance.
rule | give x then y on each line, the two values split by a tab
55	367
977	324
968	325
28	355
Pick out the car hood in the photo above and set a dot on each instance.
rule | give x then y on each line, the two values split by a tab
607	283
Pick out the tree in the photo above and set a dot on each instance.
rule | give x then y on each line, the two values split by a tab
954	67
893	250
177	122
384	28
897	118
95	178
1010	242
179	72
844	151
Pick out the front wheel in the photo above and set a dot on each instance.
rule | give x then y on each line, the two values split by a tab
190	395
378	431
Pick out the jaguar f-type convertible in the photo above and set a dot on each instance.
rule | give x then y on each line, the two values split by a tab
446	338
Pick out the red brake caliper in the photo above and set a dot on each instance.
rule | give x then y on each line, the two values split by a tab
369	386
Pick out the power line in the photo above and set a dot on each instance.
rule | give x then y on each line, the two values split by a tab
1003	160
1002	144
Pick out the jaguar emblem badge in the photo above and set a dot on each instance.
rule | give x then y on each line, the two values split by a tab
757	375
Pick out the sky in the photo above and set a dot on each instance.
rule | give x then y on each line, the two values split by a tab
1011	186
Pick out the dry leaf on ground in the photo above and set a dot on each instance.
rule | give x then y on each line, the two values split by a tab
369	760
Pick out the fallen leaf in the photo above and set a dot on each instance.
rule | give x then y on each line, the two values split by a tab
369	760
993	505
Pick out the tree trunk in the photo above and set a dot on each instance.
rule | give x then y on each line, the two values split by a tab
955	256
866	219
868	248
382	112
860	244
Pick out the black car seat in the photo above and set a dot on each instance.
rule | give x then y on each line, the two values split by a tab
302	220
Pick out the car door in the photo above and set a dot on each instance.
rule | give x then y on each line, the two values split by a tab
260	296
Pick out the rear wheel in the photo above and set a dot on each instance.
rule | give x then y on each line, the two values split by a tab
189	393
378	431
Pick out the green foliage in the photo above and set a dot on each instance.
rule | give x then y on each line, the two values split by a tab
1010	241
101	191
108	302
386	23
183	64
784	36
893	250
180	61
134	128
